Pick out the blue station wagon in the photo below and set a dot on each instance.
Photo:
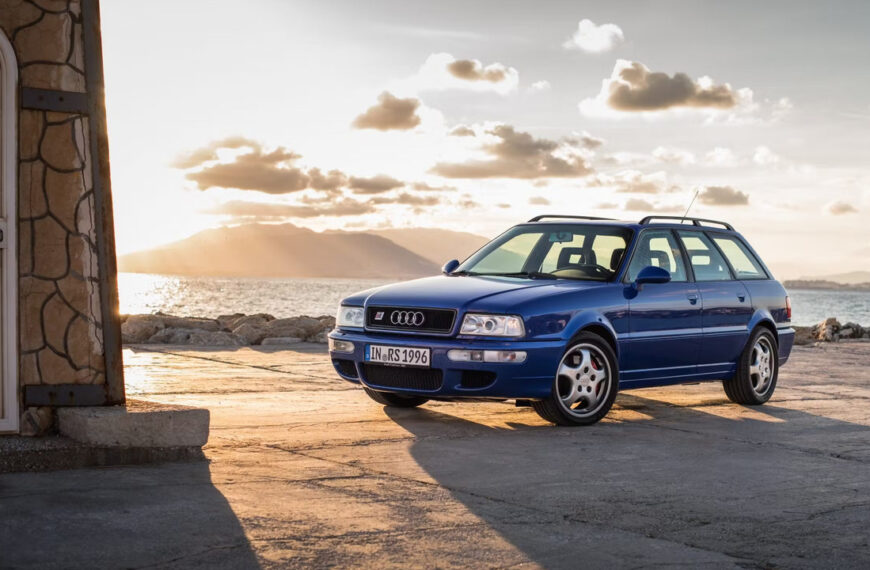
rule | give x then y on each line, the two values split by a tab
562	312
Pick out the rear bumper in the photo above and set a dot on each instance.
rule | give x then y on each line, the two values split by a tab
786	342
531	379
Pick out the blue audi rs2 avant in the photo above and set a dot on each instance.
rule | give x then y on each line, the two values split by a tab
561	312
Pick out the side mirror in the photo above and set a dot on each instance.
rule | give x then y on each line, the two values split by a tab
652	274
451	266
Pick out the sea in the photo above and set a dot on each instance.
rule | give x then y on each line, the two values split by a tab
212	296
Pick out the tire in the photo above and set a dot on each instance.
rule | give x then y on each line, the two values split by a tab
757	370
395	400
577	378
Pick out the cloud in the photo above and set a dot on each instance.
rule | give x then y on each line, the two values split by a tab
595	39
423	187
271	211
473	70
839	208
639	205
763	156
633	88
721	156
518	155
635	182
723	196
390	113
374	185
542	85
442	71
539	201
462	131
209	152
673	155
607	206
586	140
407	199
270	172
331	181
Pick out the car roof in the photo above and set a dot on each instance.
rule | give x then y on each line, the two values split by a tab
658	221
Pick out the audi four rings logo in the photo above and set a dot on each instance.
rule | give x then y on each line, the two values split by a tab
407	318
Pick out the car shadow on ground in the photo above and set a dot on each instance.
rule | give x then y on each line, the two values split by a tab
166	516
661	484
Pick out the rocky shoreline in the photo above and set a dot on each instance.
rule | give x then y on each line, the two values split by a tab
265	330
226	330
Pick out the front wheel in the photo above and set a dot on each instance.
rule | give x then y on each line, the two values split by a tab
585	385
757	370
395	400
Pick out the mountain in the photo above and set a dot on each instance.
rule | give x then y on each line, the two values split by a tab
285	250
437	245
850	278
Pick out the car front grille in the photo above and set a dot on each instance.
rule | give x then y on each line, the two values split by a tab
410	319
428	379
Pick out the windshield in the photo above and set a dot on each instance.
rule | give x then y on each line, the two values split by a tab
552	251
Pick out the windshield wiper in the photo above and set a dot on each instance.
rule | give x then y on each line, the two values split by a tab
528	274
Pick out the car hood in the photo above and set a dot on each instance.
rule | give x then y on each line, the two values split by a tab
459	292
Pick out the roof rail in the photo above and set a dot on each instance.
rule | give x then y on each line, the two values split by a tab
541	217
695	221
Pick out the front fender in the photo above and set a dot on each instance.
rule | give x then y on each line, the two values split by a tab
593	319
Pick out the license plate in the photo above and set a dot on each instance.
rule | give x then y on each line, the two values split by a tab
398	355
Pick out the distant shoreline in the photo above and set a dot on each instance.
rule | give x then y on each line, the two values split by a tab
822	285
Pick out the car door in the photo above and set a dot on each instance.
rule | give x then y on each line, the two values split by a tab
664	318
726	307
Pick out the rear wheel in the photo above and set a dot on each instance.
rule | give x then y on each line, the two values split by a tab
585	385
757	370
395	400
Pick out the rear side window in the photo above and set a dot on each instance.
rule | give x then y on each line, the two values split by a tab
707	263
745	264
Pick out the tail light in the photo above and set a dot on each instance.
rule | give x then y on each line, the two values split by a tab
787	308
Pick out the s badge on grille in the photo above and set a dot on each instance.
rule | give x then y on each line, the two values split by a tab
379	316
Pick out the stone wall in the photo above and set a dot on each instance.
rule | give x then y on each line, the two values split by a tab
60	321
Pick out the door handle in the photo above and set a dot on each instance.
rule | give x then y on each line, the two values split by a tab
741	297
693	298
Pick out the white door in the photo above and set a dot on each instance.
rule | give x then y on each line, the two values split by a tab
8	250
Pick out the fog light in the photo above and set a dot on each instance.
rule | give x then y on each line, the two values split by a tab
340	346
457	355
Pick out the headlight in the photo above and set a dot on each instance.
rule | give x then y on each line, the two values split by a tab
492	325
350	317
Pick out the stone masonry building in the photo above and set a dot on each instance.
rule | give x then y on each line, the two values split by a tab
59	304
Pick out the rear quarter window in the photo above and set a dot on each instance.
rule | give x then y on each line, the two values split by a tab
744	263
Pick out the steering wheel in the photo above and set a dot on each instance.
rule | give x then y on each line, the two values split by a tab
594	268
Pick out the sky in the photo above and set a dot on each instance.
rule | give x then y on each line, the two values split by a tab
475	116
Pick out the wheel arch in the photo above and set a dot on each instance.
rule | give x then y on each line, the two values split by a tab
594	323
763	319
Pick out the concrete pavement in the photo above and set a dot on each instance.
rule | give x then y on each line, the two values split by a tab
307	471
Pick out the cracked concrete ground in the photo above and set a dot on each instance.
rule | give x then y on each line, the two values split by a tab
306	471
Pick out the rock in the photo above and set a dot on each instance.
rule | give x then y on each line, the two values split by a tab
280	340
846	332
36	421
328	322
258	320
171	336
301	327
196	337
216	338
140	328
252	334
803	336
189	323
320	337
227	322
827	330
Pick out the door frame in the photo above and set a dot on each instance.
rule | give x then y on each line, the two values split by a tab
9	252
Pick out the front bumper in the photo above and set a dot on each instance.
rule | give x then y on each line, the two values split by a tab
531	379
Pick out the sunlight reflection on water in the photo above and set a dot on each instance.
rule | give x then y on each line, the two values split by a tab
213	296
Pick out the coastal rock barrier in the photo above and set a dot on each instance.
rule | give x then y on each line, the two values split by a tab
226	330
263	329
830	330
